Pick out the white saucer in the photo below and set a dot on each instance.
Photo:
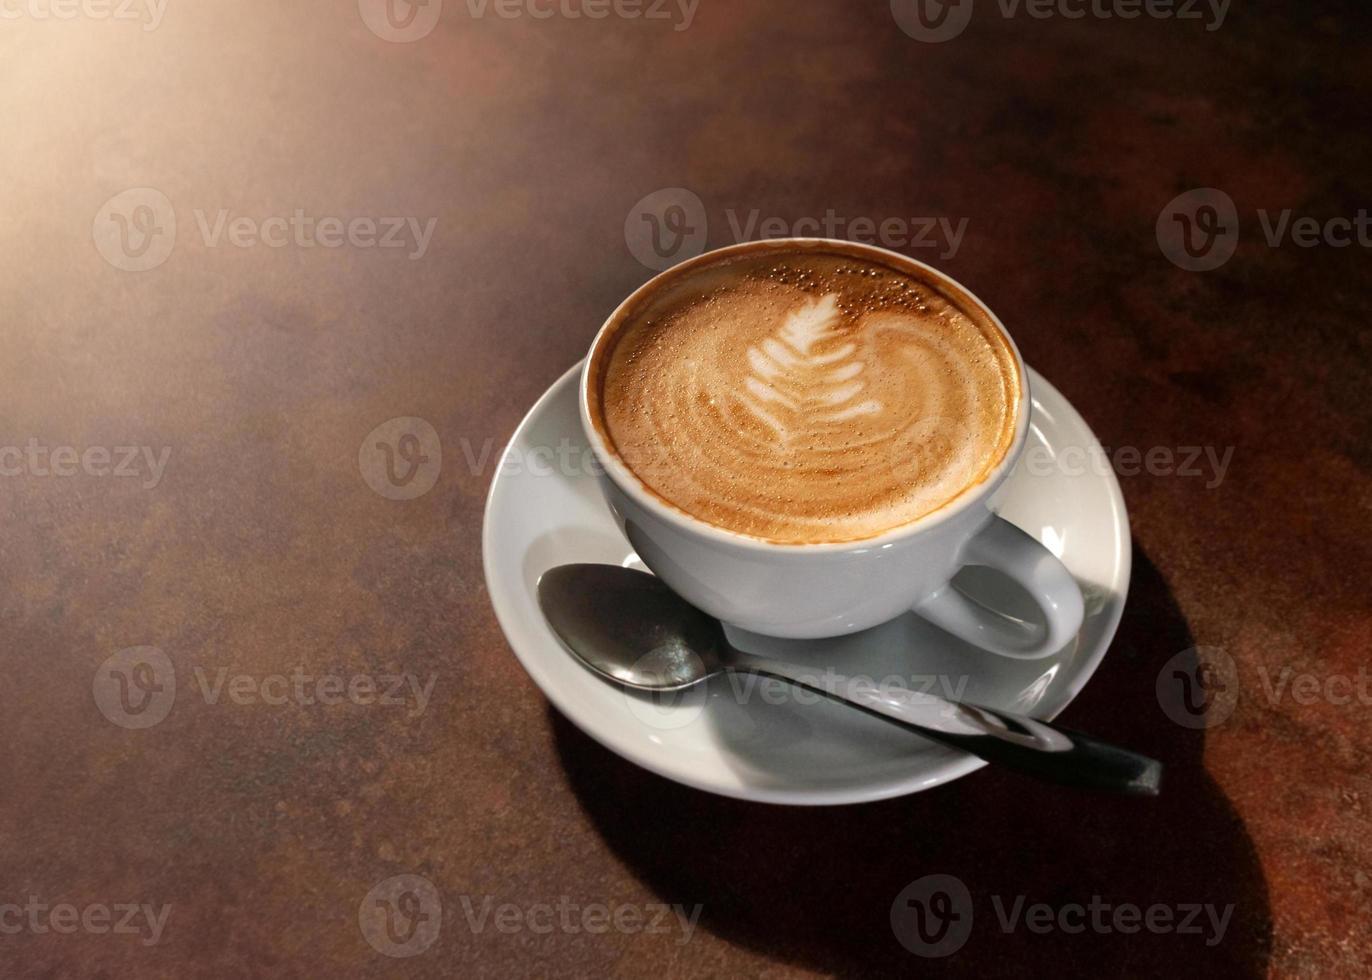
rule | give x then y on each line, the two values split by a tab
757	740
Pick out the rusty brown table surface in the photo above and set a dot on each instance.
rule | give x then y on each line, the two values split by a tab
187	383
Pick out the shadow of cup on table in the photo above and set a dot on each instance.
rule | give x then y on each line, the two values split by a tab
1164	885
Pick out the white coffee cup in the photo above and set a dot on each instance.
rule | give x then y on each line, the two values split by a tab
818	590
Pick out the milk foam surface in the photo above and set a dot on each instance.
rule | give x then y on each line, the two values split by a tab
806	396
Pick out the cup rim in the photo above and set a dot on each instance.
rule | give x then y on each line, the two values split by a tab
632	486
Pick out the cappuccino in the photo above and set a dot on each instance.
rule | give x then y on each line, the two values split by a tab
805	394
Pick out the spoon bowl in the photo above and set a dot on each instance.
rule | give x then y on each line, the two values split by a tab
630	628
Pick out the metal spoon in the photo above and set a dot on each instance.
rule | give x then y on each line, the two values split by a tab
632	629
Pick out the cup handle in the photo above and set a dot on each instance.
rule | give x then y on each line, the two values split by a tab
1004	547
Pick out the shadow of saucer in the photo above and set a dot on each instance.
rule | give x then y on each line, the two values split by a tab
818	887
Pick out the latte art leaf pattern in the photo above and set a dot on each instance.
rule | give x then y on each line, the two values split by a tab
800	377
818	400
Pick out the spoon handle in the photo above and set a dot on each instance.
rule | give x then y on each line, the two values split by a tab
1014	741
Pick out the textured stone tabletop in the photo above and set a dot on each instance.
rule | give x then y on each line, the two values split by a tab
250	674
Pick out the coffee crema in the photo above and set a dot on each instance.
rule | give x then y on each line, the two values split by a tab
805	394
